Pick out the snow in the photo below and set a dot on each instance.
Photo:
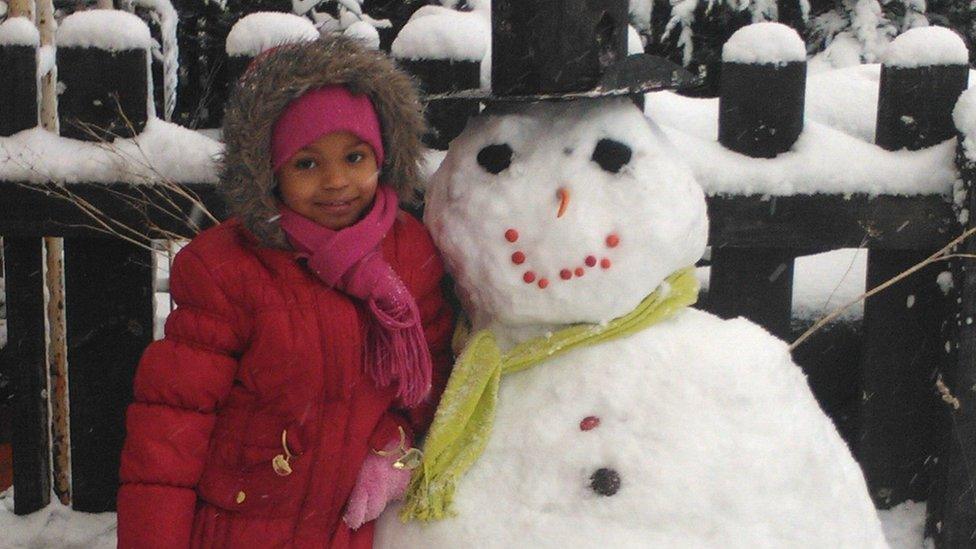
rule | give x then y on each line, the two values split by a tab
19	31
436	32
58	526
834	154
686	425
46	60
945	282
55	526
926	46
169	52
163	152
764	43
640	13
845	99
964	117
111	30
826	281
261	31
904	526
365	33
634	44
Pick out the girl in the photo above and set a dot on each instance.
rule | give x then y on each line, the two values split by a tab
311	331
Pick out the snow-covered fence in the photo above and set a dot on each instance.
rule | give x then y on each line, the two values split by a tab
958	387
904	437
443	49
19	41
103	76
107	200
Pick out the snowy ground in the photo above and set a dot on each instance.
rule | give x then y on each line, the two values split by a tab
57	526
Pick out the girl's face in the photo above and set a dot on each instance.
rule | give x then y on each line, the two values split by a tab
331	181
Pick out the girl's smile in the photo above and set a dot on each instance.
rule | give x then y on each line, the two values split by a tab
331	181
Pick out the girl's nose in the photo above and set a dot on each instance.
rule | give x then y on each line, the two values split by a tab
562	193
334	178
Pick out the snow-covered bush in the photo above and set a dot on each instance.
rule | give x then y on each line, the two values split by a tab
862	28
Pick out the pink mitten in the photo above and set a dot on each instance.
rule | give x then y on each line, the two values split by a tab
379	483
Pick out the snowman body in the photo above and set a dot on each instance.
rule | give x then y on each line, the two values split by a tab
695	432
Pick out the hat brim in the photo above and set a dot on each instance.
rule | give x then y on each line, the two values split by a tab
635	74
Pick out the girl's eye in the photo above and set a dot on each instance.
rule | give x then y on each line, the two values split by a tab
355	157
305	164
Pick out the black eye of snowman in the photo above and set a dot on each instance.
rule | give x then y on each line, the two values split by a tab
611	155
495	158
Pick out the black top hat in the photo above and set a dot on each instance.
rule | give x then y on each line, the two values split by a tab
567	49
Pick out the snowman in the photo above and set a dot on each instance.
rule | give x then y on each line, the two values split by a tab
591	406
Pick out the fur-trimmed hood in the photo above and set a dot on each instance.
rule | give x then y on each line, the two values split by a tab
281	75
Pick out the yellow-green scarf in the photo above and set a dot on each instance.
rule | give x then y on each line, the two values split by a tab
466	412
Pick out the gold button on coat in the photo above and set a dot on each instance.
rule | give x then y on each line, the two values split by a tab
240	496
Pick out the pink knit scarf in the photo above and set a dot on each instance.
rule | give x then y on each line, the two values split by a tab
350	260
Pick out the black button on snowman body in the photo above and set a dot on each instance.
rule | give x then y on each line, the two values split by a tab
604	481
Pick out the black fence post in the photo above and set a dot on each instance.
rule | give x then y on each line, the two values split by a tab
108	283
903	343
438	74
760	115
109	309
19	41
105	82
25	361
245	42
952	503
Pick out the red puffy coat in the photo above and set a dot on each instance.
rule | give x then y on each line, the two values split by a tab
258	347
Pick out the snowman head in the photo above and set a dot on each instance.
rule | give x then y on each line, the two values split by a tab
557	213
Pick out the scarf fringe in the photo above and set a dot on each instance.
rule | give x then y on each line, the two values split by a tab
397	351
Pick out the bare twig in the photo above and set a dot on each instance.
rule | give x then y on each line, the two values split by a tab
941	255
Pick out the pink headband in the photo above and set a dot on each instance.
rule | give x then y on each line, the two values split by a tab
320	112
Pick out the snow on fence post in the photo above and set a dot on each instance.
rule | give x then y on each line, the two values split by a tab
443	49
103	75
19	42
259	32
760	115
952	500
924	71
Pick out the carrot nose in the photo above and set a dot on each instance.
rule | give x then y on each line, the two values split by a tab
563	194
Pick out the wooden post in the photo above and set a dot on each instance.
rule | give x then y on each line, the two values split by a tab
446	118
758	283
24	360
105	90
54	281
21	8
903	345
18	86
109	287
952	503
760	111
440	73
